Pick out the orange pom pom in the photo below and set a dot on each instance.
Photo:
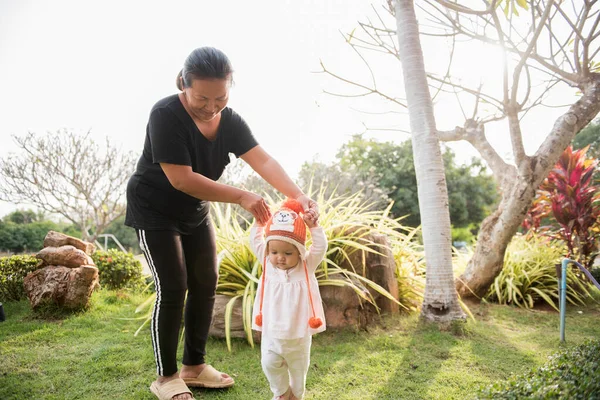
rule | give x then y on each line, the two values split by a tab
315	322
293	205
258	320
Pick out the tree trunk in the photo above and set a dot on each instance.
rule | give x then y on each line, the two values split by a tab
519	191
440	303
495	234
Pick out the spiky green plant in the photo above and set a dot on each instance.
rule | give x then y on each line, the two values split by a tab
409	256
529	275
348	222
239	269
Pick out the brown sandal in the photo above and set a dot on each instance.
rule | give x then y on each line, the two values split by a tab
168	390
209	378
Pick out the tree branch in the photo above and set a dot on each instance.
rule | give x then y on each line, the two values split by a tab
528	51
368	89
474	133
566	126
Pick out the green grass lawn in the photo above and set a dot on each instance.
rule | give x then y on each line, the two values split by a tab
94	355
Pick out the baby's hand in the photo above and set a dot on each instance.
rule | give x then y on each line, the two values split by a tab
310	220
258	224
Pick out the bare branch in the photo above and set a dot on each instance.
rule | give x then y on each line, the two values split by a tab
364	61
500	34
516	137
574	28
474	133
528	51
368	89
539	99
447	74
566	126
374	113
581	67
528	93
495	102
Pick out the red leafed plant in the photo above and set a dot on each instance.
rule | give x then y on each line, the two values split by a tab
571	202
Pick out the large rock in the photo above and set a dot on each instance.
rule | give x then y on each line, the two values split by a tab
379	268
343	307
67	256
217	327
62	286
57	239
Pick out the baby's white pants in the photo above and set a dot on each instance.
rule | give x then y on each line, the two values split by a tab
285	363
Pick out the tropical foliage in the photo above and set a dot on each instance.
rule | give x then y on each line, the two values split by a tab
570	203
347	222
529	275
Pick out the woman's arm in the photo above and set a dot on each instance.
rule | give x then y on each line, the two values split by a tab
184	179
272	172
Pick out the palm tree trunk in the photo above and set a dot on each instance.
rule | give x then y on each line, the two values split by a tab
440	302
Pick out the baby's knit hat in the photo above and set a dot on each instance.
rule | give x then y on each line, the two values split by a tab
287	225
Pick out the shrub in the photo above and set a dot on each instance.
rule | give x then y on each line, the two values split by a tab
464	234
12	272
118	270
569	374
529	274
596	274
24	238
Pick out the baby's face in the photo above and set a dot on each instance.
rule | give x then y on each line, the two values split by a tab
283	255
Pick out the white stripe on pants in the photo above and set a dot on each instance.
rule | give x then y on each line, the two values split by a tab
285	363
156	308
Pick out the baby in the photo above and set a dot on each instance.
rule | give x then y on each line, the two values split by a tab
288	307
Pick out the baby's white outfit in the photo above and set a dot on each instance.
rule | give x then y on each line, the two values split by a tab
286	335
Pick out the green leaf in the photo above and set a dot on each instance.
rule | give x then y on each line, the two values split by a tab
523	4
228	314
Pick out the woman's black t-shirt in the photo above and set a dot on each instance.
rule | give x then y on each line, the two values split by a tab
172	137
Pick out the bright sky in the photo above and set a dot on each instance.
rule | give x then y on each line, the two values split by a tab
101	65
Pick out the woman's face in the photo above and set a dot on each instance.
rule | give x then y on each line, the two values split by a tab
207	97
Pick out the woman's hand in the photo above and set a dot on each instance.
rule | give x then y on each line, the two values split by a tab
257	206
311	208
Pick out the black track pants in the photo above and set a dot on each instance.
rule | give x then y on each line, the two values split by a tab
179	263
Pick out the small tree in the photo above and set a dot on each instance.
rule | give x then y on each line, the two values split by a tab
68	174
